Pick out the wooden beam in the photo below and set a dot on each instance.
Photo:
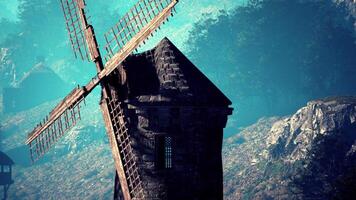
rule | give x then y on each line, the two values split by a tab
115	149
146	31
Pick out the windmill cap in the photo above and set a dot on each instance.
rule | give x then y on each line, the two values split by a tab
164	75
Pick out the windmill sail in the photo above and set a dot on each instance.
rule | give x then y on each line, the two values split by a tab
133	29
62	118
132	23
120	141
66	114
76	29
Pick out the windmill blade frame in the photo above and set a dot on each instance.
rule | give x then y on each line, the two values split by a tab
119	138
136	27
75	28
140	15
59	121
55	125
166	10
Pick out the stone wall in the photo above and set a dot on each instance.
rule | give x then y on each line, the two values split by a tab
171	102
196	134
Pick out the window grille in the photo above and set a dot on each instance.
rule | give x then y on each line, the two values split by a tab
168	152
163	152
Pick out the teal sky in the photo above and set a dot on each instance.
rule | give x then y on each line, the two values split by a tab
249	65
60	58
188	13
9	9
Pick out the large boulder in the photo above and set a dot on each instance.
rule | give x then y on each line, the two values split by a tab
309	155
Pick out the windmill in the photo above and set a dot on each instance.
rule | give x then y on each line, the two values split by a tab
144	18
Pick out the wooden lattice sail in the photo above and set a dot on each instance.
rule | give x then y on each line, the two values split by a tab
53	127
126	36
71	10
134	22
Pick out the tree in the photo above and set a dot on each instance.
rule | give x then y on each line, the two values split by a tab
271	57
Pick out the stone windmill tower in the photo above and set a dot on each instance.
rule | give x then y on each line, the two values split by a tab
164	118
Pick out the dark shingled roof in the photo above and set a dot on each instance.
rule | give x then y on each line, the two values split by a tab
164	75
5	160
41	73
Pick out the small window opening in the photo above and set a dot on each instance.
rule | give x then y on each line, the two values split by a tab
6	168
168	152
163	152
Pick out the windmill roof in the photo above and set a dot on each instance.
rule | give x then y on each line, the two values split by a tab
5	160
39	71
165	75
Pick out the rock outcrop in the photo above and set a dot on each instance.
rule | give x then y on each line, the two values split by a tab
79	166
310	155
7	69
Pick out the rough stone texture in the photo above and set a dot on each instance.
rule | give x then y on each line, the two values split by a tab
310	155
164	75
167	96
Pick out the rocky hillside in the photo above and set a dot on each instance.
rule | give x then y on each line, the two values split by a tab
351	5
7	69
310	155
80	165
